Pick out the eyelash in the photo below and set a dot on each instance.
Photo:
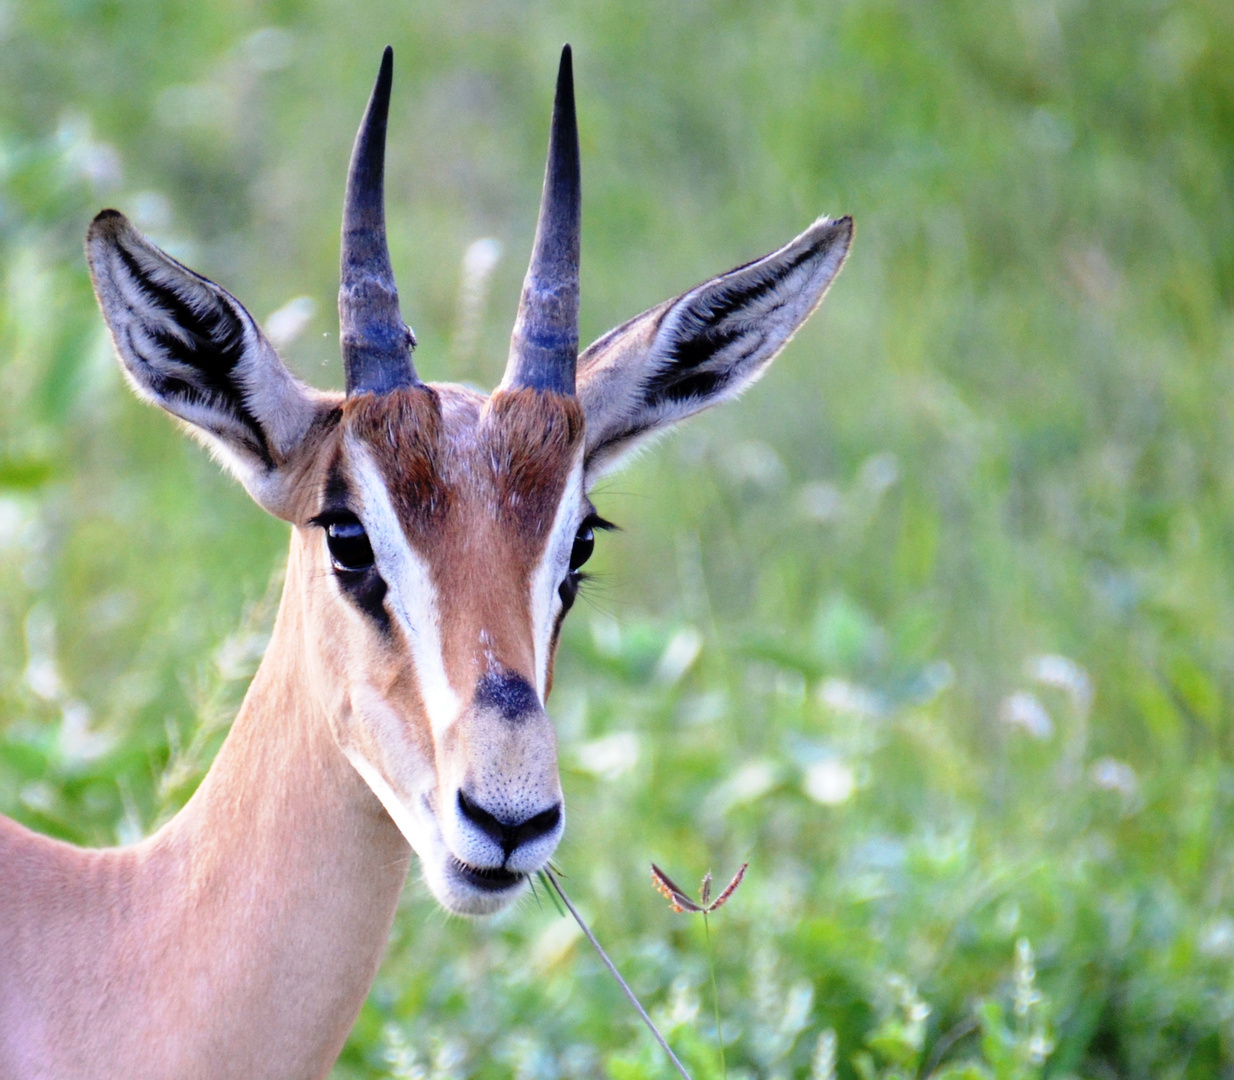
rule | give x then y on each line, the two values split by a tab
569	588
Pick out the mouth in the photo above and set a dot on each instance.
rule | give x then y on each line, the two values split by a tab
489	879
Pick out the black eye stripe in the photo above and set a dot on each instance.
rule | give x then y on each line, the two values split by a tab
568	591
368	592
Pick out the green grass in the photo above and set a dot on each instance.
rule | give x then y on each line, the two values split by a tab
1006	436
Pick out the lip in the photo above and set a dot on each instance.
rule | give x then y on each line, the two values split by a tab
489	879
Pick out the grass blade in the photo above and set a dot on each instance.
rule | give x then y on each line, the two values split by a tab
552	880
552	895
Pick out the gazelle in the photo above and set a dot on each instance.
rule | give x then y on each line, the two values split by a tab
436	543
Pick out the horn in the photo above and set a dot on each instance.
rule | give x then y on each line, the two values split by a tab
376	342
544	346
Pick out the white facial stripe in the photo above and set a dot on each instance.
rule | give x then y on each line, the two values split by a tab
399	780
410	591
413	830
554	564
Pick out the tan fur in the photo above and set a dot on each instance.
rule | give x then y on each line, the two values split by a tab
239	940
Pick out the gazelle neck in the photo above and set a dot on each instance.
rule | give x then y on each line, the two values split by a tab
242	938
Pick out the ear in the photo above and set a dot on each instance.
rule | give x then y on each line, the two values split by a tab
190	347
705	346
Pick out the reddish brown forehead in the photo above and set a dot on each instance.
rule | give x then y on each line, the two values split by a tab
446	452
476	485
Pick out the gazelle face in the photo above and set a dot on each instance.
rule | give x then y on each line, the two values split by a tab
444	550
438	533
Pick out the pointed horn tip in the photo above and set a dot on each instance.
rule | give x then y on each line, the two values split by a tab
565	69
563	98
376	342
385	73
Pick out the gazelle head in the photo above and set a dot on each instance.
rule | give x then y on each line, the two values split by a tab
438	532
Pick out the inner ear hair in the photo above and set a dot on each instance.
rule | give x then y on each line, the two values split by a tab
190	347
705	346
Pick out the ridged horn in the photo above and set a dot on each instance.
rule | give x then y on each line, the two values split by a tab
544	346
376	342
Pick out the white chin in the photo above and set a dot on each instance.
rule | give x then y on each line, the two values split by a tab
457	887
464	890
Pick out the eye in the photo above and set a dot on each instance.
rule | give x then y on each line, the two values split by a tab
350	550
584	545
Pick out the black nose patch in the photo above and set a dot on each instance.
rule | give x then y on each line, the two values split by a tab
510	694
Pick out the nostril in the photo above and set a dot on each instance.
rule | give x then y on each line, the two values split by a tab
481	818
509	835
535	827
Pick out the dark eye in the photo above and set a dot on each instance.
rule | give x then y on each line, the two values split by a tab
584	545
349	547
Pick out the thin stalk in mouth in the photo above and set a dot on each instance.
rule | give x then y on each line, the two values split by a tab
715	995
551	879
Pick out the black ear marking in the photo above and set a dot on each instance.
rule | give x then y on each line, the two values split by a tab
196	350
705	346
709	326
731	327
183	340
189	347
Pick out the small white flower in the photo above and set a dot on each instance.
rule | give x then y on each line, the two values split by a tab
554	944
679	655
830	782
1064	674
843	696
1026	993
747	785
879	472
823	1065
1216	938
1024	711
1040	1047
821	502
1110	774
755	463
286	324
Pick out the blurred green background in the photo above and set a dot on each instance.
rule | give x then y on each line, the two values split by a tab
935	627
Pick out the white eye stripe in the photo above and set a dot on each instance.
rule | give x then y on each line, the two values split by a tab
412	595
552	569
410	591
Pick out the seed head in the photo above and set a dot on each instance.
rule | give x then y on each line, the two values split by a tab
682	903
